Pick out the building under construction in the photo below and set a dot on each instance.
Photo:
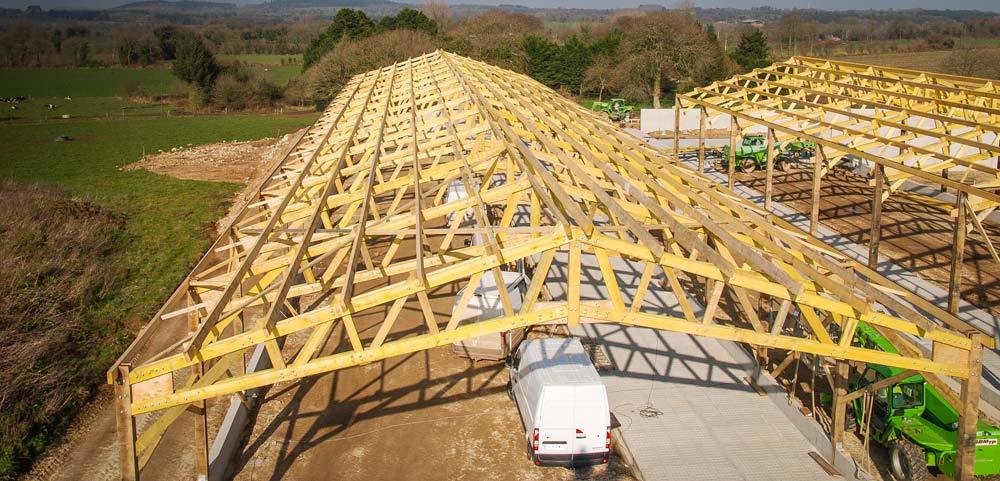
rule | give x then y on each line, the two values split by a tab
356	225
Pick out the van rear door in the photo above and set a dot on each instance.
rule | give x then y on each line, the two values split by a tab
592	419
573	425
555	422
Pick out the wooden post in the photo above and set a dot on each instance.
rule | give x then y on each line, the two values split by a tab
876	232
965	461
944	173
198	408
818	162
128	461
769	181
677	128
839	408
957	254
733	130
200	431
702	114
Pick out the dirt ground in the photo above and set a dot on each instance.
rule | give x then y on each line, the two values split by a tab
426	416
914	235
247	163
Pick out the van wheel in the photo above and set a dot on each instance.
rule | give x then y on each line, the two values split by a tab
510	390
907	462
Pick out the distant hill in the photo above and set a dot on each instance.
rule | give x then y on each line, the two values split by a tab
333	3
185	5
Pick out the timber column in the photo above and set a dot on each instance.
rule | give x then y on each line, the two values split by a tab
128	461
965	460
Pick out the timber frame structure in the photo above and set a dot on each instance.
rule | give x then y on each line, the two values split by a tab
542	176
935	129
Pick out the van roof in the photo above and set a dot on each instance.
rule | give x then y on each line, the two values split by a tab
558	362
488	284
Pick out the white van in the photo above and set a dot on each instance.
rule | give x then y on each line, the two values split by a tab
456	191
485	304
562	401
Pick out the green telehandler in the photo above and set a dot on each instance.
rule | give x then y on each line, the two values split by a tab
751	153
915	421
616	109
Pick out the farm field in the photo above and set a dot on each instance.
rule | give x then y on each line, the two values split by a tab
82	82
929	61
265	59
167	223
279	69
166	217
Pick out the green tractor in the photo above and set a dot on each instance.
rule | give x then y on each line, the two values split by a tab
915	421
616	109
751	154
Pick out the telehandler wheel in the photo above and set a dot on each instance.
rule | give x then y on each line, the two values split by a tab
850	420
907	462
748	165
781	164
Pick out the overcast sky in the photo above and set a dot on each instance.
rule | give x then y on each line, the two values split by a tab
987	5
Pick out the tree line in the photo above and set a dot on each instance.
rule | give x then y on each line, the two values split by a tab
640	56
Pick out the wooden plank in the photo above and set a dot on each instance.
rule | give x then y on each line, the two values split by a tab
359	238
827	467
152	388
702	113
843	371
769	176
128	462
876	228
957	255
818	162
734	129
881	384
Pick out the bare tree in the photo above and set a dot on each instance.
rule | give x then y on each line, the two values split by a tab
334	69
440	12
663	47
496	37
603	74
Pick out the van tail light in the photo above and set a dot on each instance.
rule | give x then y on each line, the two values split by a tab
534	442
580	435
607	440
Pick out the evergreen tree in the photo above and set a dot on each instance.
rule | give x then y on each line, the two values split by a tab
752	52
717	68
409	19
348	23
195	64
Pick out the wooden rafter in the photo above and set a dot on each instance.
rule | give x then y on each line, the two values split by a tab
543	177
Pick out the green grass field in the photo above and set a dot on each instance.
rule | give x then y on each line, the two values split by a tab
82	82
279	75
169	223
264	59
271	66
167	218
35	110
